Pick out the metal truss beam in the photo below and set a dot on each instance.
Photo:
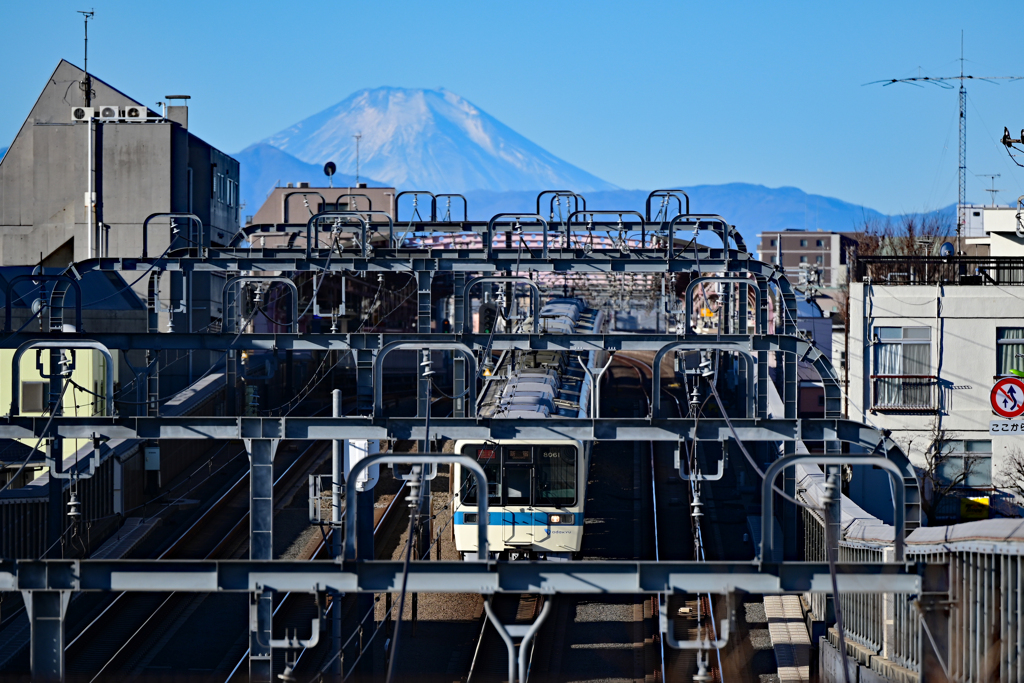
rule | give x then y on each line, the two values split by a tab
455	260
605	429
207	576
171	341
363	427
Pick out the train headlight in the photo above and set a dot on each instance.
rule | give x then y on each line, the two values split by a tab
561	518
470	517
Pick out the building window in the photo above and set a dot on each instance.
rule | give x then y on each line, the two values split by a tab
820	243
803	243
902	379
773	259
803	259
773	243
1009	349
966	463
819	259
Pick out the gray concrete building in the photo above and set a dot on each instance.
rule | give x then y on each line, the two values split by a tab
135	161
799	249
86	169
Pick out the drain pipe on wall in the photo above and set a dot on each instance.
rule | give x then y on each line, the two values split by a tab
938	362
90	201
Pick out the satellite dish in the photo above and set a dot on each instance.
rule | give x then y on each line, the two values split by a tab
330	169
946	249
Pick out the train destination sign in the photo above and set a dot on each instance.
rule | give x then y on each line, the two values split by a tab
1008	397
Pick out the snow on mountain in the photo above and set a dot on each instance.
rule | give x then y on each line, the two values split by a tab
264	167
417	139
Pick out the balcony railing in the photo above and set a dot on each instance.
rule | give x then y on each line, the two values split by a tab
906	393
931	270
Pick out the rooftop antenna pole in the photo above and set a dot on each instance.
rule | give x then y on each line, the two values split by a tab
942	81
87	83
961	212
992	191
357	136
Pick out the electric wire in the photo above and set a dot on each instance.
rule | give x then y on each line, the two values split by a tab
38	442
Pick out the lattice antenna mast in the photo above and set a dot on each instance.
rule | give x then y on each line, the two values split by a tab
944	82
86	82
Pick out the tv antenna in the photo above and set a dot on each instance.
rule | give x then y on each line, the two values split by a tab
944	82
86	84
357	136
992	191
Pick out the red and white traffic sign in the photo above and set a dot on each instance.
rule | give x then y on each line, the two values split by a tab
1008	397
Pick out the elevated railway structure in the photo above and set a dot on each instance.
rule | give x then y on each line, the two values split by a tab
674	596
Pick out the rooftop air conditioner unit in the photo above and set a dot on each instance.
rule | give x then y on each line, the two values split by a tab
82	113
134	113
108	112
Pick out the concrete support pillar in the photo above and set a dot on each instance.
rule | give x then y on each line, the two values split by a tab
458	362
261	547
364	379
55	519
337	473
423	320
46	611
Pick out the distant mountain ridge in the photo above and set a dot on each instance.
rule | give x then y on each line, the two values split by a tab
426	139
753	209
264	167
416	139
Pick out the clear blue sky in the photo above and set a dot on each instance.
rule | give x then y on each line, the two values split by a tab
642	94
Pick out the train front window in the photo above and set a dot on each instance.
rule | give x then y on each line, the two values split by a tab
518	473
487	457
555	484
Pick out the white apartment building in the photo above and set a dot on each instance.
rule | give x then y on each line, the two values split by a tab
927	339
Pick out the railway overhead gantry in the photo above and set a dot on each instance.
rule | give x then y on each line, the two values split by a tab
507	250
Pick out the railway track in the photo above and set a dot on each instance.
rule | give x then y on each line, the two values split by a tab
122	639
290	609
692	616
588	638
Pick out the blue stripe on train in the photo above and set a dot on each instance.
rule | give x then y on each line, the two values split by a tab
510	518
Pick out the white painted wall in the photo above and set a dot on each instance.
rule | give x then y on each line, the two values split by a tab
963	320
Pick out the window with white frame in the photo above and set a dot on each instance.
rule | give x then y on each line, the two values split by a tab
966	463
1009	350
902	377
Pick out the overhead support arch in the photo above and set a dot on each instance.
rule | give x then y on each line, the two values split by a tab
534	289
378	369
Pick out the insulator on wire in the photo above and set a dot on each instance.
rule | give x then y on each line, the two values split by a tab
74	508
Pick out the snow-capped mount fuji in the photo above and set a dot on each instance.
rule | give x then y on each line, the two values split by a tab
428	140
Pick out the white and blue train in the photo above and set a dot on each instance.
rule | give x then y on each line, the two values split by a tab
536	489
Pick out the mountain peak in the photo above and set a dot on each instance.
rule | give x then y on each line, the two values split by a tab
417	138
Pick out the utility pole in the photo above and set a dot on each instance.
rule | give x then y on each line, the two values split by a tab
993	191
943	82
86	84
357	136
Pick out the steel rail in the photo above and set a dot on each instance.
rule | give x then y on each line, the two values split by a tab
232	491
323	544
699	536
